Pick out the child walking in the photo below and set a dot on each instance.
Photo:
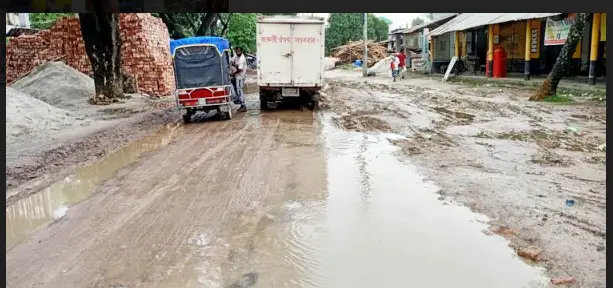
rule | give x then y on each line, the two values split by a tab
394	66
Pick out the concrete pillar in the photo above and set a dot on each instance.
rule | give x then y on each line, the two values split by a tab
490	51
594	48
528	46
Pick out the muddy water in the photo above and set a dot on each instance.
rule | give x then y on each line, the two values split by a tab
40	209
265	200
380	225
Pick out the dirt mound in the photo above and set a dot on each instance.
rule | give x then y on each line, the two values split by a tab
382	67
330	63
29	117
59	85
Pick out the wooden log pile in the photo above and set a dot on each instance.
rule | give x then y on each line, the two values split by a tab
145	51
351	51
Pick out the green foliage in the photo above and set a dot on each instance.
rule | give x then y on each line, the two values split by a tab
345	27
180	25
46	20
241	31
558	99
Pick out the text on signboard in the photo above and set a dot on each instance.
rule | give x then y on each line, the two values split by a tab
284	39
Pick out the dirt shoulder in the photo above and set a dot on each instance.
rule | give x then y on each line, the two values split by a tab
536	169
52	127
33	166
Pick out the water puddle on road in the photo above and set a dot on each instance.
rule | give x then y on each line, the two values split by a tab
381	225
51	204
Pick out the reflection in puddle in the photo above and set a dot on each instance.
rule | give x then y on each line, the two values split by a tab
40	209
382	226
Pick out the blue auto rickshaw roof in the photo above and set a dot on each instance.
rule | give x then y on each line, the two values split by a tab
221	43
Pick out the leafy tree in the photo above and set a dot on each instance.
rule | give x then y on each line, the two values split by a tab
417	21
550	85
378	29
46	20
345	27
103	47
182	25
241	31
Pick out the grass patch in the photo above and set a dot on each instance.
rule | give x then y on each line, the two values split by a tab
591	94
347	67
476	82
558	99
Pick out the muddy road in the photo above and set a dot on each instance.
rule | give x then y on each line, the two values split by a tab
288	199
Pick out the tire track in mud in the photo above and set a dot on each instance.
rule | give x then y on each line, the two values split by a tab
151	224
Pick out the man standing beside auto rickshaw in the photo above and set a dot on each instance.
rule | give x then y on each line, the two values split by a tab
240	63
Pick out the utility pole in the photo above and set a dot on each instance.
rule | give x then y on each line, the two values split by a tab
365	60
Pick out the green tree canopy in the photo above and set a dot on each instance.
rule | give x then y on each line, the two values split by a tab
345	27
241	31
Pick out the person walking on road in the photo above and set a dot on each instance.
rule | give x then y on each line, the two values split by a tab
240	63
402	65
394	66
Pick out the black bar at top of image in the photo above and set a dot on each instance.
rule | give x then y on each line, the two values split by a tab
115	6
256	6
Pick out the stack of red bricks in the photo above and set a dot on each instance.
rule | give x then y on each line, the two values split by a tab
145	51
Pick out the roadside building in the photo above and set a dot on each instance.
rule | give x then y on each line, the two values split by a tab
395	39
531	43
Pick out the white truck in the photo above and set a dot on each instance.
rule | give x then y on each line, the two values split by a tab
290	59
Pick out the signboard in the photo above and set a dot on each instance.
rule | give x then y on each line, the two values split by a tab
556	32
534	41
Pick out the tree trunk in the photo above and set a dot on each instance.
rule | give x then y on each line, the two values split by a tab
224	28
103	47
207	21
550	85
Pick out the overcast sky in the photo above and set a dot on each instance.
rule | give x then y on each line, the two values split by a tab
398	19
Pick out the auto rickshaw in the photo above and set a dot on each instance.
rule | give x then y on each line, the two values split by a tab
202	76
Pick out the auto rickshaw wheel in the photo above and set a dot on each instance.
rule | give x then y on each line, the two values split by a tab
187	118
228	115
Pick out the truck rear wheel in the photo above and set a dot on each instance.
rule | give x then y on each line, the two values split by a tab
263	102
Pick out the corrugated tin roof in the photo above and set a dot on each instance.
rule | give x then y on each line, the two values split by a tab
423	25
14	31
471	20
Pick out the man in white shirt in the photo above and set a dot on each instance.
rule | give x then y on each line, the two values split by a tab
240	63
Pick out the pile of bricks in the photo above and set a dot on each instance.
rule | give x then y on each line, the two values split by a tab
145	51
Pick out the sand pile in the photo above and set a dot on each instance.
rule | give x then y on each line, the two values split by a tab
382	67
59	85
330	63
29	117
